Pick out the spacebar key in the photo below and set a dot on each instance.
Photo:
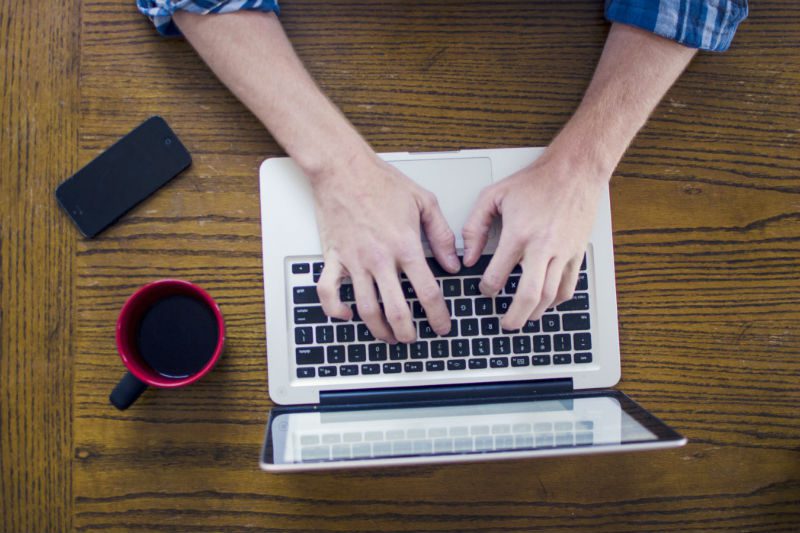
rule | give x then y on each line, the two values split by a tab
309	315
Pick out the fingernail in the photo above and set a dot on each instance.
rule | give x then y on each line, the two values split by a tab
454	263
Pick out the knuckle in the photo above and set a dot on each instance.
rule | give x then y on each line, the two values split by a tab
325	291
396	313
429	292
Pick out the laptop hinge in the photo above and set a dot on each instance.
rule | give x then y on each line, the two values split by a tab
439	394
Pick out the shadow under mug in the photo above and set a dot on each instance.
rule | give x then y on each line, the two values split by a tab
140	375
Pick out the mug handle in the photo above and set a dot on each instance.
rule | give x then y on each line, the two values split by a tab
127	391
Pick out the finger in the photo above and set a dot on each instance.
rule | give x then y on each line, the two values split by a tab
569	279
328	290
476	228
428	293
506	257
439	234
552	280
528	295
395	307
368	308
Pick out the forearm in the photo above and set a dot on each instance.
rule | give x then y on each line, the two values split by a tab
634	72
251	54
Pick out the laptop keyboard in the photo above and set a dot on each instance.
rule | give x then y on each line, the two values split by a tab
328	348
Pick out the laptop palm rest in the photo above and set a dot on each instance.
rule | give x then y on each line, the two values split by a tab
456	182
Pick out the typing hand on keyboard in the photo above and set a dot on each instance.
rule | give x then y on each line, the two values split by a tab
548	210
369	215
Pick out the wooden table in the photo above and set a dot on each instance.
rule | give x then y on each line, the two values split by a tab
706	208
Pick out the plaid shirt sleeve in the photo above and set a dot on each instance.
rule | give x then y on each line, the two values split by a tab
160	11
704	24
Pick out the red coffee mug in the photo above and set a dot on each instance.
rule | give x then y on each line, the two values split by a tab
140	374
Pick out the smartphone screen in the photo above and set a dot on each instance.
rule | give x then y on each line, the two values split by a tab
118	179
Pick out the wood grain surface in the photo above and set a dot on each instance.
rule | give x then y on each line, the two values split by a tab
706	212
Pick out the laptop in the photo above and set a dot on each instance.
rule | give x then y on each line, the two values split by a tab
345	399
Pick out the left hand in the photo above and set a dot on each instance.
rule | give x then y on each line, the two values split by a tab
548	210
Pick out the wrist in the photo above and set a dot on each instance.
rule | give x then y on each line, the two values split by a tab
335	162
580	158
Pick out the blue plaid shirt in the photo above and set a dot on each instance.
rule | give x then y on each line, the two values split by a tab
703	24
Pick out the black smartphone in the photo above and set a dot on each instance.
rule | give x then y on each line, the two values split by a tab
133	168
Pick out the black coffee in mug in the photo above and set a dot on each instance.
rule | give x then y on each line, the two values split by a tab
177	336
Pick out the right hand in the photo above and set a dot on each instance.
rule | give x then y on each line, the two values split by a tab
369	216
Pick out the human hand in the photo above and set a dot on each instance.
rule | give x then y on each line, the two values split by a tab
548	210
369	217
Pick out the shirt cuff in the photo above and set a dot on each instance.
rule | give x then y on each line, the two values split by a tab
160	11
704	24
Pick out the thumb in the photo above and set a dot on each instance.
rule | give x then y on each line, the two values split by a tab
476	228
440	236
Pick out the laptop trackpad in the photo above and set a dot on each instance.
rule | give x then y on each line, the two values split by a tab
456	182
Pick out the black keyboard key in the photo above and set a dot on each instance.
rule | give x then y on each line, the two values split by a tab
305	295
472	286
306	372
575	321
370	369
517	270
434	366
346	293
463	307
436	269
562	343
417	310
318	267
498	362
364	334
520	360
391	368
440	349
453	328
476	269
451	287
398	352
356	316
583	263
540	360
345	333
480	347
511	285
456	364
579	302
490	326
377	351
478	363
531	326
425	330
585	357
583	282
327	371
408	290
501	304
582	341
419	350
303	335
562	359
313	355
324	334
412	366
522	344
460	347
505	331
356	353
300	268
541	343
483	306
550	323
501	346
335	354
348	370
469	327
309	315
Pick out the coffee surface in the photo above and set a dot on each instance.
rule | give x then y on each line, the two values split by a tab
177	336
